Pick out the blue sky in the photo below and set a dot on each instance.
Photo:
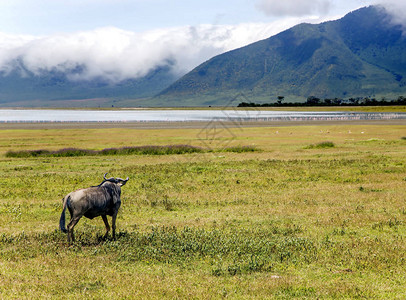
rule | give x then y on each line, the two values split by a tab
121	39
43	17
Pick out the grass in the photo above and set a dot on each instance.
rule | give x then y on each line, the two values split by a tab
284	222
321	145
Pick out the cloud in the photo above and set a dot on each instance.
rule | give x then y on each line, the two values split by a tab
397	9
115	55
294	7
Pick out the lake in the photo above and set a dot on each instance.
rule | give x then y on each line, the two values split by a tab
38	115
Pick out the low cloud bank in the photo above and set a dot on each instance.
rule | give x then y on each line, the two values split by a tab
115	55
396	8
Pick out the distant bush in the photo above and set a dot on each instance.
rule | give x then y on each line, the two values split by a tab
68	152
315	101
403	138
139	150
240	149
152	150
30	153
321	145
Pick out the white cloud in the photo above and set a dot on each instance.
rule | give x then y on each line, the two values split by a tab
397	9
115	54
280	8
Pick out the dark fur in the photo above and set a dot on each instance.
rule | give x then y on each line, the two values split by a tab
102	200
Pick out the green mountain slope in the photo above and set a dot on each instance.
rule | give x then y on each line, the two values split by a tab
56	89
362	54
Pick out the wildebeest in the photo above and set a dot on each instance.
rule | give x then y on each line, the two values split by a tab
102	200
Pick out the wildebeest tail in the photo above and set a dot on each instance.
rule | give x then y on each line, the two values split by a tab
62	219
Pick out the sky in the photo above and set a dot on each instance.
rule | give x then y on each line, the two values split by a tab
121	39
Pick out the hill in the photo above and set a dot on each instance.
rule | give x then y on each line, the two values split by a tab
52	88
362	54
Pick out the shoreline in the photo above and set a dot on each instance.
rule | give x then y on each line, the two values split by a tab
191	124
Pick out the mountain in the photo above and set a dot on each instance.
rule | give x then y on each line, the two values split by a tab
21	87
362	54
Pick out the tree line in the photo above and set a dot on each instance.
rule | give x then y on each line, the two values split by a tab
315	101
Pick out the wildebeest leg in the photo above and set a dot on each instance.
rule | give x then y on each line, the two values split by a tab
113	222
106	223
70	226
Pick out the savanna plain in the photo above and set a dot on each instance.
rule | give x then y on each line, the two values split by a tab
311	211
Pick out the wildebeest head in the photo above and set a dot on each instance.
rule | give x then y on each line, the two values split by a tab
118	181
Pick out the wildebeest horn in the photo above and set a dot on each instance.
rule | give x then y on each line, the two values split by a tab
107	179
124	179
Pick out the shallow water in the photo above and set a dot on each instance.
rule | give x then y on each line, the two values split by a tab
34	115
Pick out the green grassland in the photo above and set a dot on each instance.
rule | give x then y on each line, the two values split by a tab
314	212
